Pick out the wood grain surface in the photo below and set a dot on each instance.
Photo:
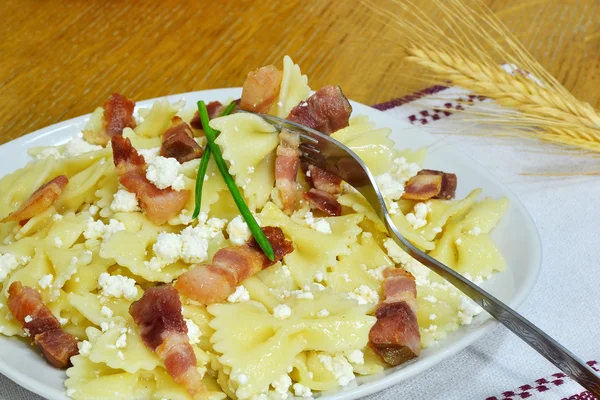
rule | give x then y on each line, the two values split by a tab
60	59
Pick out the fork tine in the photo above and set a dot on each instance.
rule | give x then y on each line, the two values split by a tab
308	149
313	161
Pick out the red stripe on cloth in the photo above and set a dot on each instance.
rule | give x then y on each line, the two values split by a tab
581	396
545	384
409	98
426	116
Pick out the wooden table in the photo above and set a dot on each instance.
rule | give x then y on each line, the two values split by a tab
60	59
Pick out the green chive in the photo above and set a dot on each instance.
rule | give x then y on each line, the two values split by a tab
204	165
211	135
228	110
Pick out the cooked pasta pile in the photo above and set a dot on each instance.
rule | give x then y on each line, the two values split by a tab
298	327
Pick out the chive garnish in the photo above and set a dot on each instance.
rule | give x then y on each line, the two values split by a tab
211	135
204	165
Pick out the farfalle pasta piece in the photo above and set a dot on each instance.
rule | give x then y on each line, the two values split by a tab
82	187
167	388
252	165
360	205
71	165
158	119
269	345
98	310
374	148
372	363
263	293
371	144
70	318
139	141
120	347
66	262
129	249
479	256
15	188
24	249
310	372
485	215
278	279
86	279
97	381
107	187
363	266
36	224
201	318
31	272
358	126
466	245
41	200
314	250
294	89
437	219
66	230
445	246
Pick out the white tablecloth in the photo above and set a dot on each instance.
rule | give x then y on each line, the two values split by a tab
566	299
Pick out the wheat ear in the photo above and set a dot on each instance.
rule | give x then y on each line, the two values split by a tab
467	46
555	112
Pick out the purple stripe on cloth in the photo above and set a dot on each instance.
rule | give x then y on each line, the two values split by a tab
411	97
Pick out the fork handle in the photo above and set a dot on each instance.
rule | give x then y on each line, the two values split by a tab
553	351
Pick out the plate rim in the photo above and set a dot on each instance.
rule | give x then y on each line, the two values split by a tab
377	385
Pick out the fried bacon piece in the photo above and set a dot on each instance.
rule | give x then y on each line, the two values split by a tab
286	169
324	181
422	187
214	108
395	336
118	115
428	184
160	205
178	142
322	196
326	111
261	89
126	157
164	331
27	307
40	200
323	201
325	187
213	283
57	346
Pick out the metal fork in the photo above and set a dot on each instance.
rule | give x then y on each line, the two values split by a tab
327	153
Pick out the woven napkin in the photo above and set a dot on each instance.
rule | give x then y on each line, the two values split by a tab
565	301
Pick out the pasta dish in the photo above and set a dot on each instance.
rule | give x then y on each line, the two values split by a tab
186	253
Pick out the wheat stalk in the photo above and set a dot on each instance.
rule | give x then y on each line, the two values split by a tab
467	47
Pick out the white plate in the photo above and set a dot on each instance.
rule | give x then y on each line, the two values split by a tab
516	236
